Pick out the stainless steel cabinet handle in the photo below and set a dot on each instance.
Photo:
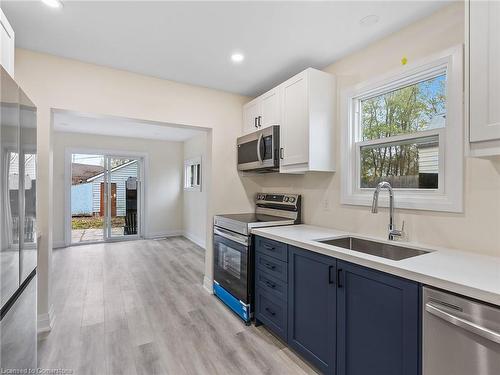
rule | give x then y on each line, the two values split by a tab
260	117
463	323
255	122
282	153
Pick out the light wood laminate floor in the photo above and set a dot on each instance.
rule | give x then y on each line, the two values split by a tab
139	307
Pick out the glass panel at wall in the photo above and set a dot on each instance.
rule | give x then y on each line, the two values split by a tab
9	187
87	198
28	163
123	191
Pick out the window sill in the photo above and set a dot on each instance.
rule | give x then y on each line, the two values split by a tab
406	200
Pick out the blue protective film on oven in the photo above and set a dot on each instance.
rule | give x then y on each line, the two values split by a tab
240	308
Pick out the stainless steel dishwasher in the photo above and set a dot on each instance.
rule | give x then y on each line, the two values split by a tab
460	336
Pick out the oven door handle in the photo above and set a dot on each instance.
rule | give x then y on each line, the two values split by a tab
231	236
259	156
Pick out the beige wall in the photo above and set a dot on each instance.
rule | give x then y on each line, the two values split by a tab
53	82
163	185
478	228
195	202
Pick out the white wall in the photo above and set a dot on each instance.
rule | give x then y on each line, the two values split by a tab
163	186
477	229
59	83
195	202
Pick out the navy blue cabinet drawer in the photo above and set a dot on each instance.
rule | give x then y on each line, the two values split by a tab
272	266
271	248
272	312
270	285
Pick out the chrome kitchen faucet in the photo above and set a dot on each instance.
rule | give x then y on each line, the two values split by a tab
393	232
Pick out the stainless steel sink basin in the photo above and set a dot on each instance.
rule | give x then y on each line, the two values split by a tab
380	249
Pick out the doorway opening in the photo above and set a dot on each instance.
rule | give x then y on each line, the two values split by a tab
105	197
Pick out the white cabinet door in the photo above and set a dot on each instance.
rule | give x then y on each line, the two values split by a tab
251	113
6	44
295	127
484	90
270	108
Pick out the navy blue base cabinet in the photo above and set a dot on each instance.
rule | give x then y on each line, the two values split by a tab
311	307
378	325
271	285
343	318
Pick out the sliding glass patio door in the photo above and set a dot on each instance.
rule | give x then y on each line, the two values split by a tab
105	197
123	193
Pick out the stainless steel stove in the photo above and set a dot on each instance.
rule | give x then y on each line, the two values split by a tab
233	247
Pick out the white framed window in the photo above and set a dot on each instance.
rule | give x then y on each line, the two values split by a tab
192	174
406	128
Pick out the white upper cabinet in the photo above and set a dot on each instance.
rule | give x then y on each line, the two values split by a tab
484	77
307	126
251	113
262	112
294	132
303	108
270	108
6	44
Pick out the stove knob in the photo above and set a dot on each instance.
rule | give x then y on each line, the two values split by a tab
285	199
292	200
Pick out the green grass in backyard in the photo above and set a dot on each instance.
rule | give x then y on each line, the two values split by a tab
95	222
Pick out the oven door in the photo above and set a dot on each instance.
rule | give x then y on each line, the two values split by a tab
231	262
259	150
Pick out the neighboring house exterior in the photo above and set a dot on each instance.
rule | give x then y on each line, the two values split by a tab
428	159
81	200
119	176
81	172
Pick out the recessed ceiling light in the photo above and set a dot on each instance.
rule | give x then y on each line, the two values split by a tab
369	20
53	3
237	57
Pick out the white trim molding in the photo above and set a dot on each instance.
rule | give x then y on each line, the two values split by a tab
59	245
449	195
164	234
197	240
45	322
208	285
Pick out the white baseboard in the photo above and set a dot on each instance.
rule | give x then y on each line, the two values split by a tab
170	233
58	244
208	285
45	322
197	240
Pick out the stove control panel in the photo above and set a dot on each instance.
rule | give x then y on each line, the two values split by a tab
281	199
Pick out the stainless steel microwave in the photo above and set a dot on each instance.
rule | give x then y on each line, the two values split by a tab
259	151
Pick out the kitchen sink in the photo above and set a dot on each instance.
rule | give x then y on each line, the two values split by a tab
380	249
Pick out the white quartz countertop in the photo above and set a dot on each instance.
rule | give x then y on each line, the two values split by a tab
472	275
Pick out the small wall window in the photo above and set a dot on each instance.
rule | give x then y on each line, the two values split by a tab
192	174
406	128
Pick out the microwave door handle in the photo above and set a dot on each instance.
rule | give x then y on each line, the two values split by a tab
259	156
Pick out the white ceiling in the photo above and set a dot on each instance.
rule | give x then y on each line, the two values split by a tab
114	126
192	41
